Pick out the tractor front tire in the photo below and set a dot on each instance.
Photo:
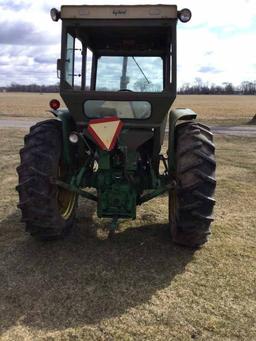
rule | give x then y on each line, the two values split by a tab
47	210
191	203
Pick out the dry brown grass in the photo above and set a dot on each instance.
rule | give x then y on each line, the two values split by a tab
211	109
218	109
138	286
26	104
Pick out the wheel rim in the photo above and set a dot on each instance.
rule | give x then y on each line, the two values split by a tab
66	203
66	200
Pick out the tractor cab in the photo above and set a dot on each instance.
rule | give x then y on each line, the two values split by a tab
119	61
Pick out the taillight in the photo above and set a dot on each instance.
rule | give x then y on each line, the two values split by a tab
54	104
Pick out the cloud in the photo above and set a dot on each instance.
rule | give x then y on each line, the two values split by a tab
26	64
23	33
14	5
4	62
27	74
220	14
45	60
208	53
208	69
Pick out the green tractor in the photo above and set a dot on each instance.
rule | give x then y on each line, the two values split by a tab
118	80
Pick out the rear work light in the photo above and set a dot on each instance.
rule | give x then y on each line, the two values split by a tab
55	14
184	15
54	104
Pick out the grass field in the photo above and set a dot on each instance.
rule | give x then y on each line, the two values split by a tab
211	109
138	286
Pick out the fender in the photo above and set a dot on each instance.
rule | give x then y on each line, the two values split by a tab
174	116
68	125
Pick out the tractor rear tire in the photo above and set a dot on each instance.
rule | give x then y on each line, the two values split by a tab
47	210
191	203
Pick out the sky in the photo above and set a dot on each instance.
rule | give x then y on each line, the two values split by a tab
218	45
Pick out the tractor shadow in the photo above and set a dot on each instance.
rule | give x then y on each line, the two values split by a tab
82	279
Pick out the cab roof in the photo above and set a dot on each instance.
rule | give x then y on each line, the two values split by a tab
119	12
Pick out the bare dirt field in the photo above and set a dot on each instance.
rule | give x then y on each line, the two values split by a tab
221	110
138	286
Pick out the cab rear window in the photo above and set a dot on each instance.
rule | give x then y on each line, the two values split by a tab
121	109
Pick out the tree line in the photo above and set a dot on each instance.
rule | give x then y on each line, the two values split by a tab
197	88
15	87
227	88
